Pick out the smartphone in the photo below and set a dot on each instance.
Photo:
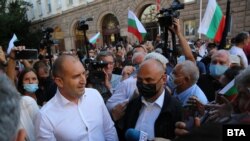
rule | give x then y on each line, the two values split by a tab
189	113
27	54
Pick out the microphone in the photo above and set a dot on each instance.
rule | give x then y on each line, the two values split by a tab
135	135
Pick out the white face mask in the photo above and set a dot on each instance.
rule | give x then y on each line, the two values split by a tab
31	88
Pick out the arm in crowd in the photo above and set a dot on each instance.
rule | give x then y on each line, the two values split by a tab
12	63
187	52
10	71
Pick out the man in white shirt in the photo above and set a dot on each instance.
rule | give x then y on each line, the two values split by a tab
75	113
241	40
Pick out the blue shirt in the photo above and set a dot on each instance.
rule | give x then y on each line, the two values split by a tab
194	90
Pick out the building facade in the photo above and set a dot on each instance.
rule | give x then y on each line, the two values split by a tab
110	18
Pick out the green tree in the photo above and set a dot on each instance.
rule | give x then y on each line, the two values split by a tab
14	20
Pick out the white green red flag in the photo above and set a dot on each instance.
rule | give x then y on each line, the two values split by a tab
93	39
135	26
229	91
213	22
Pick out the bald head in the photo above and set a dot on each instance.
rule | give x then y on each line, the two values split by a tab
152	65
61	63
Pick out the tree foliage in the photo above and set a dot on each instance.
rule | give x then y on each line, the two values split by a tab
14	20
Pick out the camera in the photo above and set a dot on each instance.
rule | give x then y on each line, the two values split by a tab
96	77
82	25
167	15
95	70
46	41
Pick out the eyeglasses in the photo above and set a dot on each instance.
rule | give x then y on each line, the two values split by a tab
110	63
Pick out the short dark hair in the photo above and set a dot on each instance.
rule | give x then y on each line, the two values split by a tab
41	65
57	68
103	54
9	109
241	37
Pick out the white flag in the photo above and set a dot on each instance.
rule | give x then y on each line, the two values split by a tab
93	39
11	43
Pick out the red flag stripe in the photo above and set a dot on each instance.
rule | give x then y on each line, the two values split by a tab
135	32
220	30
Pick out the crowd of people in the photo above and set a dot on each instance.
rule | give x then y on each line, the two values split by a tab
126	93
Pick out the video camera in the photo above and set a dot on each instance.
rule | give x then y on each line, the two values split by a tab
46	40
167	15
94	67
82	25
96	77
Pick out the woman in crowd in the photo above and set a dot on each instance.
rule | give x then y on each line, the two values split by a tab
28	87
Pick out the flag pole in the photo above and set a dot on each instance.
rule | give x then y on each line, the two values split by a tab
223	41
158	5
200	16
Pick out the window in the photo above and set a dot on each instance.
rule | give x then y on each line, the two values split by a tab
49	6
70	2
59	4
149	14
39	8
32	12
189	28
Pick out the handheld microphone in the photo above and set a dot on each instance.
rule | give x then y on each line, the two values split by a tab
135	135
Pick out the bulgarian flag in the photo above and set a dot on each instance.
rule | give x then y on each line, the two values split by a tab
93	39
158	5
135	26
229	91
213	22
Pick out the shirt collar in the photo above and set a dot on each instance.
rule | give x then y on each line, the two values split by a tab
181	96
159	101
63	101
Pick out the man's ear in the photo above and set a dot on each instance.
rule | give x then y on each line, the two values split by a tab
21	135
59	82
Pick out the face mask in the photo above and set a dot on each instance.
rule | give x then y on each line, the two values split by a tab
146	90
31	88
44	81
217	70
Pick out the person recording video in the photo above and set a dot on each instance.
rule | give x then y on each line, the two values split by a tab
100	74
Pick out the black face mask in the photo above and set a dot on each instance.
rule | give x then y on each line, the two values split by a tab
146	90
44	80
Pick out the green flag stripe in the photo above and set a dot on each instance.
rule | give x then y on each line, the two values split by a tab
231	91
214	25
132	23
